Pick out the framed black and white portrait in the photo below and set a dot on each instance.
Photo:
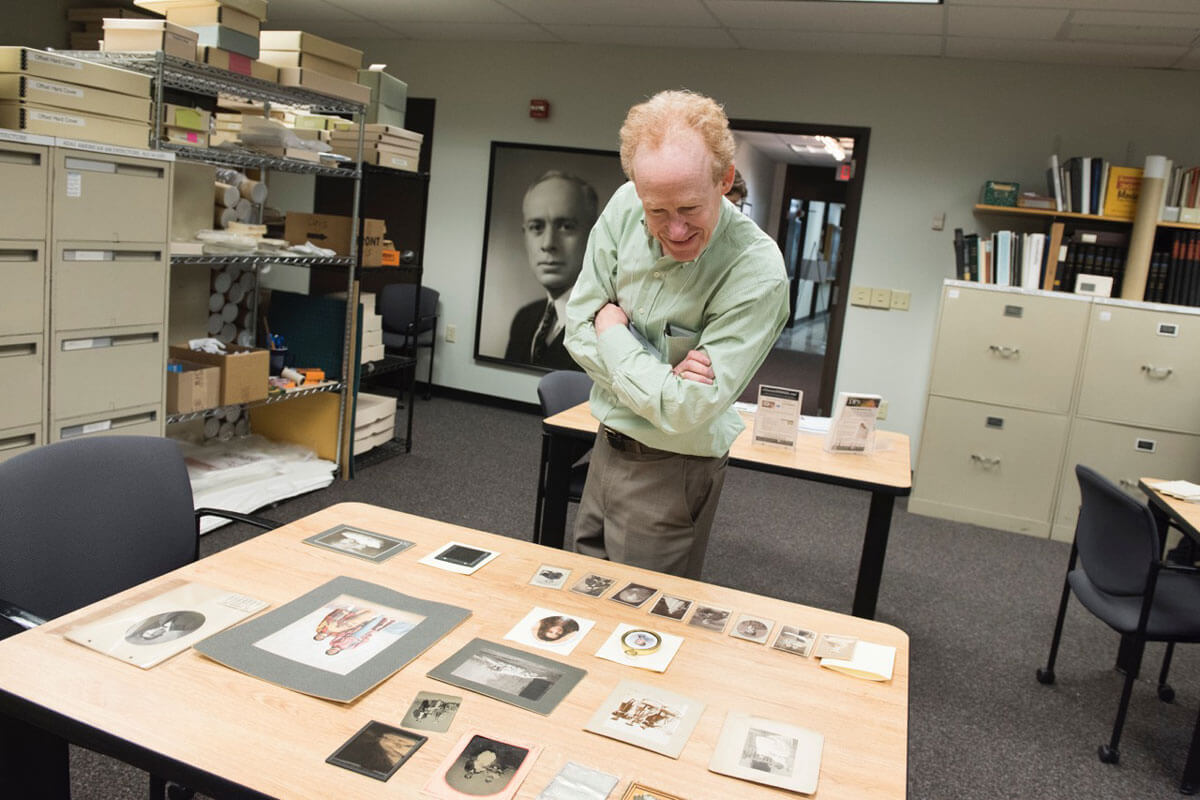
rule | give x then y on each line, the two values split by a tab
542	202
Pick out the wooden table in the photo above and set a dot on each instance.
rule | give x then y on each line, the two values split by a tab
885	473
1185	516
230	735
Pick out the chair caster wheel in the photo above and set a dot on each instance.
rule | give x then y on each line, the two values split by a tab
1166	694
1045	676
1108	755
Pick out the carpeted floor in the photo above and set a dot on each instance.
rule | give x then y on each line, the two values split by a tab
977	604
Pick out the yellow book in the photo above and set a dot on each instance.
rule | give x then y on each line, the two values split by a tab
1121	194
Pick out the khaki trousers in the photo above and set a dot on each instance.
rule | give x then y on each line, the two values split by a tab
647	507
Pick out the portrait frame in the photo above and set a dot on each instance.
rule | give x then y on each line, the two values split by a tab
507	285
495	670
640	791
359	544
350	754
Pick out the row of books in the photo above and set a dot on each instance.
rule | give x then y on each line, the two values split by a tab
1005	258
1175	270
1093	185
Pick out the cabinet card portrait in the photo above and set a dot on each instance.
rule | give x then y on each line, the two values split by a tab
550	576
480	765
367	545
794	640
765	751
647	716
593	585
530	681
752	628
710	618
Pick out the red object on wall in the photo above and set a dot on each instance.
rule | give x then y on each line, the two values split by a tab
539	109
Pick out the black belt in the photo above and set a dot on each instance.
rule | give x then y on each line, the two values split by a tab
627	444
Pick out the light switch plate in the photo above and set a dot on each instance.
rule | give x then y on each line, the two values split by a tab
900	299
860	296
881	298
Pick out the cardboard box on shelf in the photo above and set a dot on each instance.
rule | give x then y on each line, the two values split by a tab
73	124
255	8
192	387
333	231
324	84
296	58
56	67
225	38
386	89
384	114
192	119
176	135
310	43
236	62
140	35
73	97
244	370
201	14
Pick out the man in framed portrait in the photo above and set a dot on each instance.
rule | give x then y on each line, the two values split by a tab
558	211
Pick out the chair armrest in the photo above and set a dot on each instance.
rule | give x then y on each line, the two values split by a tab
417	325
258	522
14	619
1170	566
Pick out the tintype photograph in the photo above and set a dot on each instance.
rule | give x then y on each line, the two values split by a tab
593	585
366	545
533	682
377	750
542	202
634	595
483	765
710	618
671	607
794	640
430	711
550	577
752	628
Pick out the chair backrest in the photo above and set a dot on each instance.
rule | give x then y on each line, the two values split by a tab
397	303
562	389
1115	534
85	518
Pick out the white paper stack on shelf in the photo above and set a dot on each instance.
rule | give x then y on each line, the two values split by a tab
372	330
383	145
374	421
248	473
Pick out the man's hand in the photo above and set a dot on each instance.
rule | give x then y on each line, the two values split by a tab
695	366
611	314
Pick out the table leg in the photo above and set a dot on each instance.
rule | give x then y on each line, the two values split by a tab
870	566
34	763
558	477
1191	772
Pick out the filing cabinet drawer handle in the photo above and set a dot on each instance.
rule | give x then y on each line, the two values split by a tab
1004	350
22	350
15	442
1157	372
986	461
20	158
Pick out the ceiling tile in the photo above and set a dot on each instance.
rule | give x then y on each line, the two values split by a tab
342	28
858	43
1179	37
1062	52
1174	6
627	13
471	11
468	32
1002	23
673	36
828	17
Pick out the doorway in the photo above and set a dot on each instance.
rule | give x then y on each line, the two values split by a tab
806	190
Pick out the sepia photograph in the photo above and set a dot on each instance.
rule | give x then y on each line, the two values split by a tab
770	752
751	628
482	765
593	585
546	629
794	640
637	791
831	645
647	716
353	541
164	627
710	618
671	607
432	712
533	682
542	202
634	595
550	577
377	750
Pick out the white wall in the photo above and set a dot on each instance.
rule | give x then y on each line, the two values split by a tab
939	128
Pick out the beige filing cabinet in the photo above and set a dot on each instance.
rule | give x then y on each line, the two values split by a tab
109	227
1139	400
997	417
24	221
1027	384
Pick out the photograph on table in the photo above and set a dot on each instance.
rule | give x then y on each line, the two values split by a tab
593	585
545	629
647	716
765	751
634	595
480	765
363	544
636	646
794	640
430	711
458	557
530	681
377	750
153	630
831	645
671	607
541	204
550	576
577	782
710	618
637	791
752	628
337	641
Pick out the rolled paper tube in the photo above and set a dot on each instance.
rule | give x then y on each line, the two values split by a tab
226	431
222	282
225	194
1145	225
215	321
222	216
216	301
230	312
212	426
254	191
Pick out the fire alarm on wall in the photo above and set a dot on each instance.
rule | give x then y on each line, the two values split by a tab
539	109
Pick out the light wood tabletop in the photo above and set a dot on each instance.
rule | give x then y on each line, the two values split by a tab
886	473
272	741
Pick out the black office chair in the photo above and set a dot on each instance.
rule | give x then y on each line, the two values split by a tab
83	519
409	322
558	391
1117	572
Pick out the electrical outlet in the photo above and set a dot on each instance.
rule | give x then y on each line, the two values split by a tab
881	298
883	406
860	296
900	299
451	333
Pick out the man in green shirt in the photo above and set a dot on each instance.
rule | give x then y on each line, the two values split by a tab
680	299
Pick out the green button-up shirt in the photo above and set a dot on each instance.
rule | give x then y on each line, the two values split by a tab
731	302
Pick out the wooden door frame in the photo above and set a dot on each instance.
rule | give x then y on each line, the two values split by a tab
841	285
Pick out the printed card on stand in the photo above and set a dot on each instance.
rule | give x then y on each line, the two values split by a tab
777	417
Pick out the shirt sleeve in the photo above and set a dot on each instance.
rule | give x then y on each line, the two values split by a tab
592	291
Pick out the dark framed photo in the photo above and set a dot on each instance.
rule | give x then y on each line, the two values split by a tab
377	750
360	543
541	204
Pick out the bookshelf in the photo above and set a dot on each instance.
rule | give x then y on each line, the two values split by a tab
1039	213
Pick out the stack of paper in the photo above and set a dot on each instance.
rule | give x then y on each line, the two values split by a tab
873	662
1184	490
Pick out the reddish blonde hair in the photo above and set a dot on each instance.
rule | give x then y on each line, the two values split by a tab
648	124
